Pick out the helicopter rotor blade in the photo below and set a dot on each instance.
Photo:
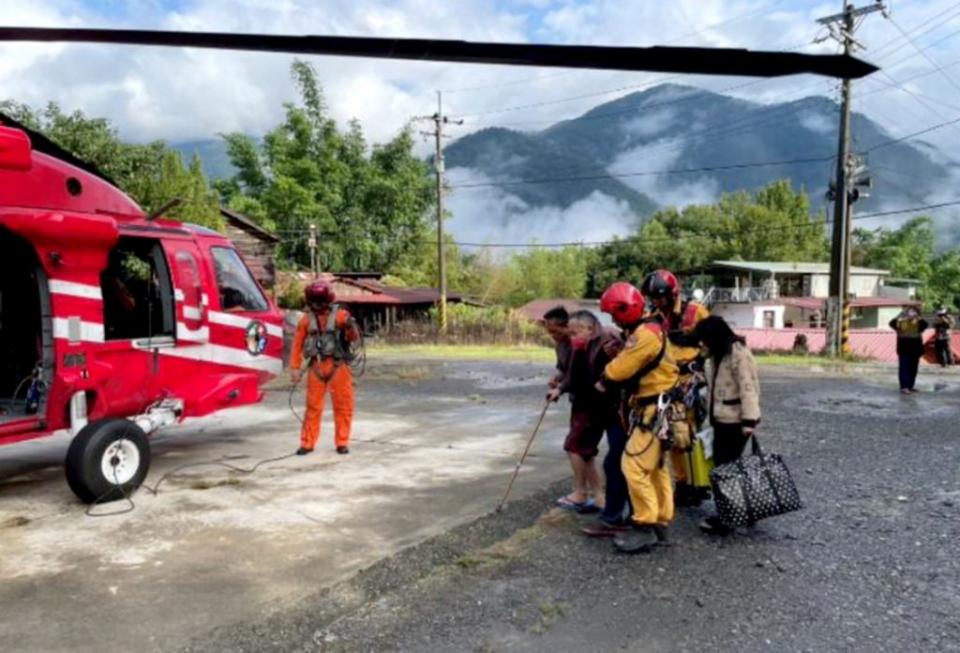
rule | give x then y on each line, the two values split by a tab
703	61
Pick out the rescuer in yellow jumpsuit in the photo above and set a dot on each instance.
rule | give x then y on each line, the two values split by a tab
646	367
663	290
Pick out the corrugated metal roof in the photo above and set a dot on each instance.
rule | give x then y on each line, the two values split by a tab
390	296
788	267
243	222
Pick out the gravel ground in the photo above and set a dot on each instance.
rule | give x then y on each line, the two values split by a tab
871	563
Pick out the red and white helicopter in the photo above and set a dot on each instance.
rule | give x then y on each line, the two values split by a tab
115	323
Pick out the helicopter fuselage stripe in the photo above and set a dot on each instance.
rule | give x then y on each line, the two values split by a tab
73	289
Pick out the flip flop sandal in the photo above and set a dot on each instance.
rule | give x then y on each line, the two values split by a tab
567	504
588	507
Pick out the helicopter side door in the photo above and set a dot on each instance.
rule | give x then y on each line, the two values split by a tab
189	291
139	323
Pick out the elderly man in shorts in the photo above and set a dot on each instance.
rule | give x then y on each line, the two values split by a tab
591	412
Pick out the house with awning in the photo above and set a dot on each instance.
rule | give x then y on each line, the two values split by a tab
778	295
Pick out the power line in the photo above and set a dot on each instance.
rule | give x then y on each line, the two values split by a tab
806	224
674	41
912	30
547	103
914	135
709	133
917	95
926	55
904	80
917	54
647	173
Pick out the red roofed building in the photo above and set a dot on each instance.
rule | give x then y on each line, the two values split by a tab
377	305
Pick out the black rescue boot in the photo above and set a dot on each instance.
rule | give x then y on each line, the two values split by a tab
641	539
713	526
684	495
343	450
303	451
663	536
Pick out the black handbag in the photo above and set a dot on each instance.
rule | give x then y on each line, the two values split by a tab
753	488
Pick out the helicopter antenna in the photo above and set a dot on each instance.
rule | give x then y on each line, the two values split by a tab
172	204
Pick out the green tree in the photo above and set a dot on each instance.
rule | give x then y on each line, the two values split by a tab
370	205
773	224
152	174
909	252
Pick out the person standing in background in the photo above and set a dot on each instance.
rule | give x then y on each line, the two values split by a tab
909	326
942	327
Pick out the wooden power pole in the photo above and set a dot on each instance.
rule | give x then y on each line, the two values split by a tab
439	120
842	27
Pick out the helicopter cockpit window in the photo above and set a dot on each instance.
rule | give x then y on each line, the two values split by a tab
238	290
137	295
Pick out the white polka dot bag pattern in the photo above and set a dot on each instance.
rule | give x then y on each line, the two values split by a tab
753	488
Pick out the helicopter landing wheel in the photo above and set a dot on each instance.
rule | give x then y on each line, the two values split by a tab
107	460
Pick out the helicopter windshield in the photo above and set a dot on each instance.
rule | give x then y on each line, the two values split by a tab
238	290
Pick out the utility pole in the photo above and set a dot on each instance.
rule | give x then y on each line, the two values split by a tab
312	244
439	120
842	27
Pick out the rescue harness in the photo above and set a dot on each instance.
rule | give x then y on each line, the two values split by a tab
330	342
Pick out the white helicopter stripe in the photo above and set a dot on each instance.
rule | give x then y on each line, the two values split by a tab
226	356
76	330
73	289
241	322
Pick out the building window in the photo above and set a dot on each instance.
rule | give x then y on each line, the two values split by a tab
238	290
769	319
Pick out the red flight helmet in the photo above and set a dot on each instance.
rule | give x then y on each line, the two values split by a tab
624	302
319	292
661	284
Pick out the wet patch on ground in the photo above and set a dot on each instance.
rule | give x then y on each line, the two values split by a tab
880	402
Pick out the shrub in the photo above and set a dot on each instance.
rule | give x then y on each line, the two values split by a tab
470	325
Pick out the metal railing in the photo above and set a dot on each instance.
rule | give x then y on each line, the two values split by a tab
736	295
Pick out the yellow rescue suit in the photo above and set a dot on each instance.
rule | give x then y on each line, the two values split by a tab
681	323
648	481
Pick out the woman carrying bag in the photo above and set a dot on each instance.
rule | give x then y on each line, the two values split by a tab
734	396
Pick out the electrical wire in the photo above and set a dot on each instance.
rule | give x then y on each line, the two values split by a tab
906	137
647	173
527	80
926	55
806	224
899	42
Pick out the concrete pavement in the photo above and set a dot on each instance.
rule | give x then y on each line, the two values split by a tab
434	446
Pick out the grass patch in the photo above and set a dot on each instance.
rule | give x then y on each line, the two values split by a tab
518	543
788	359
550	613
523	353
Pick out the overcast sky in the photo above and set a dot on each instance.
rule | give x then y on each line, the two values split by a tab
190	94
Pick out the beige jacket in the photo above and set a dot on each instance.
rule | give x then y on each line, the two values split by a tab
734	388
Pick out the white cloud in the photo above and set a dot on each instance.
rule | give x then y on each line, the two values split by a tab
485	215
187	94
666	190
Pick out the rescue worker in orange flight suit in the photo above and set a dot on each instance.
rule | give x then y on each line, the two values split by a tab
663	290
646	369
322	339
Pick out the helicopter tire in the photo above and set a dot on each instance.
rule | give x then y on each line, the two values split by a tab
107	460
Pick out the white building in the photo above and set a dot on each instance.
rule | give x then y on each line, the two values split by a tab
775	295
